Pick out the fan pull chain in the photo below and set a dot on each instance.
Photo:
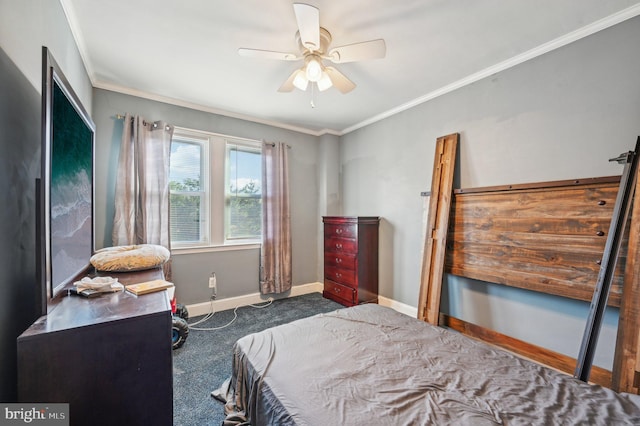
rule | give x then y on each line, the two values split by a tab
313	92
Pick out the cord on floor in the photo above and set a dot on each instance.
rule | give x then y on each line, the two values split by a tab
235	316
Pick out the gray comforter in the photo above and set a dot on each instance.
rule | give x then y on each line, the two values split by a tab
369	365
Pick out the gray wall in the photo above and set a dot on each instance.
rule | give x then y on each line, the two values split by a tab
25	26
19	166
237	270
559	116
329	198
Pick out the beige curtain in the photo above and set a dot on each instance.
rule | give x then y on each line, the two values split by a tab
142	184
275	256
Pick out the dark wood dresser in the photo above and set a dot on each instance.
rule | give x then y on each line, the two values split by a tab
108	357
351	259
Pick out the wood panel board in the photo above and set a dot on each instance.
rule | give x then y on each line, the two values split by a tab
556	202
433	260
536	282
541	185
548	238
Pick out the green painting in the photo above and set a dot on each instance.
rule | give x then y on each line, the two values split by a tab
71	190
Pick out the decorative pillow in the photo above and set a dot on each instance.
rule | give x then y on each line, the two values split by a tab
130	258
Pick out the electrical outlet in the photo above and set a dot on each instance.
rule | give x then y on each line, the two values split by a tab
213	285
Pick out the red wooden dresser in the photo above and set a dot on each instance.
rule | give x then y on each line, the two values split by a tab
351	259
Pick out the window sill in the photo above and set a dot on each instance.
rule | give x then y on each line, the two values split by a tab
178	251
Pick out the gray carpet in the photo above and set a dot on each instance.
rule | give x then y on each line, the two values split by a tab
204	361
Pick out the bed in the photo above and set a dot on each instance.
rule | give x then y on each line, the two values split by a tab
370	365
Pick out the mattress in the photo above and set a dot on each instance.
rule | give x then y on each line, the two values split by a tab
370	365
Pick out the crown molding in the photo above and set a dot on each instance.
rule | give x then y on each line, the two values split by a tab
69	12
557	43
198	107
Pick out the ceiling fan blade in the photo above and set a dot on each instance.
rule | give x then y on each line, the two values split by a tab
288	86
373	49
268	54
339	80
308	18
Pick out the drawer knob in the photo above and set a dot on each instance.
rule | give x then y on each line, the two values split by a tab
338	231
338	275
338	260
337	289
338	246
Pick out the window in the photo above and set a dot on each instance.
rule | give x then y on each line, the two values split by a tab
188	190
243	192
215	189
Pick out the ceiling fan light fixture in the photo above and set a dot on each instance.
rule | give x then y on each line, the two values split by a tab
325	82
300	80
313	70
313	44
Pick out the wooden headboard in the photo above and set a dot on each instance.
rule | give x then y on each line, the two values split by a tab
547	237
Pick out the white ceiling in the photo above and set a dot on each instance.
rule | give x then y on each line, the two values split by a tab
185	52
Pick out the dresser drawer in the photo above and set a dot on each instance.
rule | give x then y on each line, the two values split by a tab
339	230
340	260
343	292
340	245
342	276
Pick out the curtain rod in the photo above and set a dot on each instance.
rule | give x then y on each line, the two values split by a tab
273	144
121	117
153	124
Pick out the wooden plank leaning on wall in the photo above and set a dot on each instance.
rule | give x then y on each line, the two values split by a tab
436	233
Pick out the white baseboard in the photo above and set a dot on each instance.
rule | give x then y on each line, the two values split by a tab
247	299
398	306
298	290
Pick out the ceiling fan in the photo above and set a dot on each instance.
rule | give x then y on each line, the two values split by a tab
313	42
